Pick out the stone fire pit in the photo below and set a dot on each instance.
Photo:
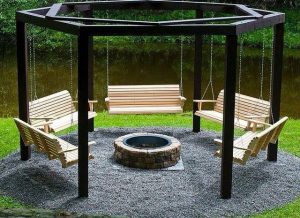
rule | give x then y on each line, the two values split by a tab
147	150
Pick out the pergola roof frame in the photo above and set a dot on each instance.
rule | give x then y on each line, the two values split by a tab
245	19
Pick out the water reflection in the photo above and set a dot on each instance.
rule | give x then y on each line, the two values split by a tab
148	64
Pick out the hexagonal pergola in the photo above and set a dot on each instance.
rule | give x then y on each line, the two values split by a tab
244	19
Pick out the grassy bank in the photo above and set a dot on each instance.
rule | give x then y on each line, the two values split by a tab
289	142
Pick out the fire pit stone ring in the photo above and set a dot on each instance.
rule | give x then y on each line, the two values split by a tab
147	150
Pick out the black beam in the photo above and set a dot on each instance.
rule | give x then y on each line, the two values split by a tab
83	96
197	75
101	20
40	20
91	70
155	5
147	30
251	25
205	20
228	116
276	84
22	83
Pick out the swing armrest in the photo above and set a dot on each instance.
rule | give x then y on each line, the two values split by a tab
107	100
46	126
257	116
255	123
218	142
259	122
203	101
74	149
182	98
68	150
41	118
90	102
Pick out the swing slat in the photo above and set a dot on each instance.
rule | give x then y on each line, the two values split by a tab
144	99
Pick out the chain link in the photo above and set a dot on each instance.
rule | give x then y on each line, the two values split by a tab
181	65
241	51
271	75
71	74
107	57
262	66
210	83
34	68
30	68
181	58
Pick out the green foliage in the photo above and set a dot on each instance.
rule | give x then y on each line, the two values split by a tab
289	210
48	39
9	138
8	202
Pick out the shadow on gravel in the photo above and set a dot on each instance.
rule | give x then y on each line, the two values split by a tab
36	184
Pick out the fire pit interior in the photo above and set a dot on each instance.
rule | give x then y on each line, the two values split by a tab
147	142
147	150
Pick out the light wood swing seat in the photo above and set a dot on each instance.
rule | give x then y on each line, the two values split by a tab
56	112
247	110
144	99
252	142
54	147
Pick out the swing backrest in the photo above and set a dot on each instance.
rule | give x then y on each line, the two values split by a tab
52	106
244	106
43	141
144	95
269	135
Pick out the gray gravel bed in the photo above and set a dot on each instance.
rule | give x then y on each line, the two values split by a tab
194	192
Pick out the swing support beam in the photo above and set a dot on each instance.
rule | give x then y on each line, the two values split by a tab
249	20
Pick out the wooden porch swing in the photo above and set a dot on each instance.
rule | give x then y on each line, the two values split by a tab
252	142
250	113
54	147
57	111
145	99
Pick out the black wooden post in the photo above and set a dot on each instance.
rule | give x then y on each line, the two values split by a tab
197	75
228	116
276	83
83	96
22	83
89	14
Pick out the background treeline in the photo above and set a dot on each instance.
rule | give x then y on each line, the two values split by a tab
52	39
268	3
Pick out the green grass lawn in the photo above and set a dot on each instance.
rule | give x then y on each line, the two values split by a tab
289	141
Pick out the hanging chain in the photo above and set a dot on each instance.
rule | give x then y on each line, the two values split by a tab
71	83
262	66
34	68
107	57
210	83
240	63
181	59
271	75
240	76
30	68
71	74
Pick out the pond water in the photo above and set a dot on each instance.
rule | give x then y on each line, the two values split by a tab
147	64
